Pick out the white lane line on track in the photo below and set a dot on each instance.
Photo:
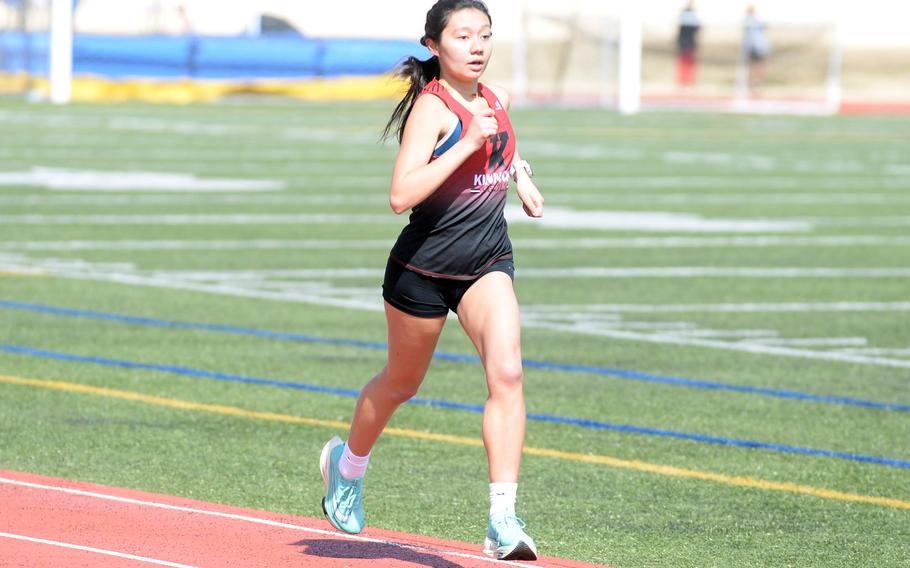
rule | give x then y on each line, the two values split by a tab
94	550
255	520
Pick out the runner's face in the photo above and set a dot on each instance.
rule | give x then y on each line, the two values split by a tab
465	45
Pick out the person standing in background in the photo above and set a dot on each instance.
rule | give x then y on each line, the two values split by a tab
756	49
687	46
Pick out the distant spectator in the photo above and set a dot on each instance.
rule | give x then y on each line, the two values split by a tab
687	46
756	48
186	24
188	30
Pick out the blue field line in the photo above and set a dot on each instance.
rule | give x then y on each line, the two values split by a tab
578	422
458	358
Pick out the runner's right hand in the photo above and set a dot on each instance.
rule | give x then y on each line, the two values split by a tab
483	127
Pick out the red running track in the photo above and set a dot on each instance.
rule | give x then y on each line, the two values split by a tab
47	522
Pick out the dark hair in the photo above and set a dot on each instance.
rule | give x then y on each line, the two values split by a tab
418	73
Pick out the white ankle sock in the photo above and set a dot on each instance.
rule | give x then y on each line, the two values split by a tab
350	465
502	497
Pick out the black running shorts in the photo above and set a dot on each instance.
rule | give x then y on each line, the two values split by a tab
428	296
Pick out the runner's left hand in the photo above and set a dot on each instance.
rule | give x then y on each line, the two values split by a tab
531	198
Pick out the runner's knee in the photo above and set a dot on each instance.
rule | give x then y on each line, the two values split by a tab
505	376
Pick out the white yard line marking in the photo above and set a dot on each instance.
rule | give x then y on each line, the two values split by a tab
733	198
114	200
711	272
896	352
564	273
94	550
89	180
728	333
814	341
251	245
249	519
676	182
261	284
562	219
535	244
745	346
380	199
654	221
176	219
190	128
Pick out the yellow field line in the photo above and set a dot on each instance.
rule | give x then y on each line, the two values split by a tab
636	465
23	274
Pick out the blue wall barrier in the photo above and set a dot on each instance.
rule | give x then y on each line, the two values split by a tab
209	57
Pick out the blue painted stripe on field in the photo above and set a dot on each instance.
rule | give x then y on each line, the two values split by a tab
459	358
579	422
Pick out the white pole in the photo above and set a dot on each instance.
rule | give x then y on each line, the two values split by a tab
61	51
608	64
630	61
520	66
835	92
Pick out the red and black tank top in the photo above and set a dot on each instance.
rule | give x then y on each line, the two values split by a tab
460	230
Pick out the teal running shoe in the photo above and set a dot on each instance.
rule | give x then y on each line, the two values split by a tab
343	501
507	540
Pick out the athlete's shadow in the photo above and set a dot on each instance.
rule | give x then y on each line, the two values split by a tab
348	549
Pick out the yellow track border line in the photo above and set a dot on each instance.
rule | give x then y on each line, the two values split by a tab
671	471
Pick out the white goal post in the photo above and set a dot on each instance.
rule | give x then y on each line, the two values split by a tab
61	51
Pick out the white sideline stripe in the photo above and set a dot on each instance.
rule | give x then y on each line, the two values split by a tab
603	220
186	127
819	341
374	198
249	519
556	243
612	220
756	307
239	219
259	244
713	272
213	199
577	272
732	333
91	180
879	351
95	550
530	273
675	182
734	199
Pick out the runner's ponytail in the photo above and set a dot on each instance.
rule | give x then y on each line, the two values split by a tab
418	73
